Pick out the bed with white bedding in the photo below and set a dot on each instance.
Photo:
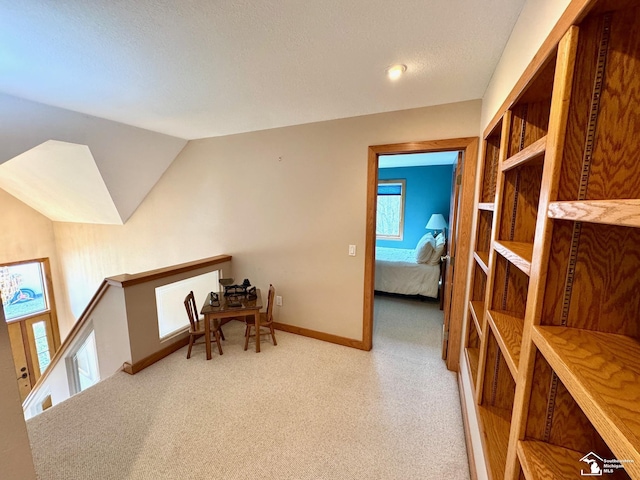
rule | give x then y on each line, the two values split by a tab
398	272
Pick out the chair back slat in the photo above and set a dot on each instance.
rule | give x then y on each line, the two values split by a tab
192	310
270	302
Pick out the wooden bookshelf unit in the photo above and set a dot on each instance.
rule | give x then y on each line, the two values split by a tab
552	332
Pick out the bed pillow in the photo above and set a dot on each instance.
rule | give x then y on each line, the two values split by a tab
425	248
439	243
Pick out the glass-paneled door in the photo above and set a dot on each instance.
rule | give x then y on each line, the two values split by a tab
29	310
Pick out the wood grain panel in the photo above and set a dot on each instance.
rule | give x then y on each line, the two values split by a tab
540	387
537	120
499	386
495	437
624	213
490	170
515	294
483	237
518	129
556	273
607	280
473	338
543	461
528	200
479	283
542	85
569	426
521	197
602	372
615	171
578	117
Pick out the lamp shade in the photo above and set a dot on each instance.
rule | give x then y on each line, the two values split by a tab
436	222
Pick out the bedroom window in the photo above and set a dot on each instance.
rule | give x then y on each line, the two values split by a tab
390	212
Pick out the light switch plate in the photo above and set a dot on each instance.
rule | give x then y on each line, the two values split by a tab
352	250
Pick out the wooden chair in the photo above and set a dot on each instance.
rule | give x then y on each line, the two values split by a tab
196	329
266	321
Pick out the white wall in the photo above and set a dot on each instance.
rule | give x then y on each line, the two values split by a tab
536	20
286	203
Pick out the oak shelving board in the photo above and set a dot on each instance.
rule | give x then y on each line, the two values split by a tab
625	213
528	155
602	372
472	361
543	461
518	253
477	312
508	332
487	206
483	260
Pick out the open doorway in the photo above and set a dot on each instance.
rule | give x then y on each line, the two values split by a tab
451	288
414	201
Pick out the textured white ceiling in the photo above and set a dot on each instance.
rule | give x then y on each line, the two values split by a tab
200	68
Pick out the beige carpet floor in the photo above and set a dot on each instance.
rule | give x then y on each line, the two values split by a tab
304	409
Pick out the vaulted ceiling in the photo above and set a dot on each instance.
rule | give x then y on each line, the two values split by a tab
159	72
201	68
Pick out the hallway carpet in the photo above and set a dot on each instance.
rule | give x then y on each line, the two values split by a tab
303	409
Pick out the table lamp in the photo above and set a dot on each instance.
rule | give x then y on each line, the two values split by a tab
437	222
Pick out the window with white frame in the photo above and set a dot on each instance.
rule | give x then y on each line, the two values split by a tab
390	209
172	316
83	364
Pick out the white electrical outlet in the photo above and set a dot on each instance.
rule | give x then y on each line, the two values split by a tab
352	250
278	300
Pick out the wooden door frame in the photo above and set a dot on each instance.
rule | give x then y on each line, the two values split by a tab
468	145
447	266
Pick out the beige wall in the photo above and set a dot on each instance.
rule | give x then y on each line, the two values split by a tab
142	314
115	147
286	203
15	452
25	235
536	20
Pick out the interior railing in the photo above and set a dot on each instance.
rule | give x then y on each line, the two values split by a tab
123	315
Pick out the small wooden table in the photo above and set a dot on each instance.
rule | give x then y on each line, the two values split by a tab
248	306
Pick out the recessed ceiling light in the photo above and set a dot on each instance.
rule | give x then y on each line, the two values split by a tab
395	71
